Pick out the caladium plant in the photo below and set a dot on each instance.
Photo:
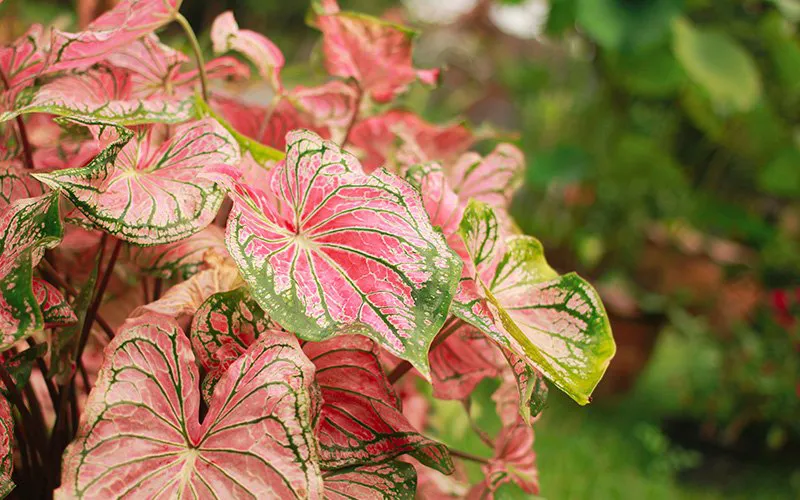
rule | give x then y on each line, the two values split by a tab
248	292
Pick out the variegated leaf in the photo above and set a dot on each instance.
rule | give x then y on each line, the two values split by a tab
555	323
403	138
389	481
532	391
16	183
20	63
20	365
141	434
102	93
491	179
361	421
181	259
27	228
514	460
55	307
151	193
153	67
374	52
460	363
6	448
265	55
123	24
331	250
332	104
224	326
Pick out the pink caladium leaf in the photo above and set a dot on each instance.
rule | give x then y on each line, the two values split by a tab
149	193
152	65
224	326
184	299
461	362
331	104
56	310
331	250
556	324
361	421
141	433
386	137
16	183
181	259
125	23
388	481
27	228
491	179
532	391
514	460
20	63
374	52
265	55
6	448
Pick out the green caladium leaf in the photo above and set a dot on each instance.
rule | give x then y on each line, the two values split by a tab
20	365
224	326
389	481
148	192
6	449
27	228
142	435
557	324
331	250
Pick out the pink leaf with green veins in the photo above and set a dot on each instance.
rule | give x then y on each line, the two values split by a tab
16	183
150	193
374	52
361	420
27	228
6	448
224	326
514	460
385	137
20	63
265	55
55	307
153	66
389	481
330	250
461	362
126	22
491	179
181	259
141	433
329	105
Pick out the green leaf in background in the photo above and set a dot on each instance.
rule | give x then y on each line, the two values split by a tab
719	64
789	8
781	176
565	163
561	17
652	72
624	24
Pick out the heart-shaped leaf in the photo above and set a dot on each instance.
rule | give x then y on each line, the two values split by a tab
55	308
150	193
265	55
555	323
154	67
126	22
491	179
141	434
102	93
6	450
361	420
390	481
331	250
27	228
224	326
181	259
374	52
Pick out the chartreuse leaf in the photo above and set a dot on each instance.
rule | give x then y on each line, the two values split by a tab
147	192
6	449
27	228
261	153
557	324
388	481
331	250
361	422
717	63
141	434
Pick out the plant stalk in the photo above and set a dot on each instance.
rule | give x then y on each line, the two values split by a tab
198	54
448	329
467	456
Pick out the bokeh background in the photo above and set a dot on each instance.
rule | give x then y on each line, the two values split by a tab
663	163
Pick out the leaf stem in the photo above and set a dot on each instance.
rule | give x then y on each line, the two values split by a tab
35	436
198	54
353	120
467	456
51	388
91	314
27	151
449	327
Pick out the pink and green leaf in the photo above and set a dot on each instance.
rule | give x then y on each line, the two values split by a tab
20	365
491	179
149	193
265	55
461	362
361	420
27	228
16	183
141	433
153	67
20	63
56	310
514	461
6	448
181	259
331	250
388	481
